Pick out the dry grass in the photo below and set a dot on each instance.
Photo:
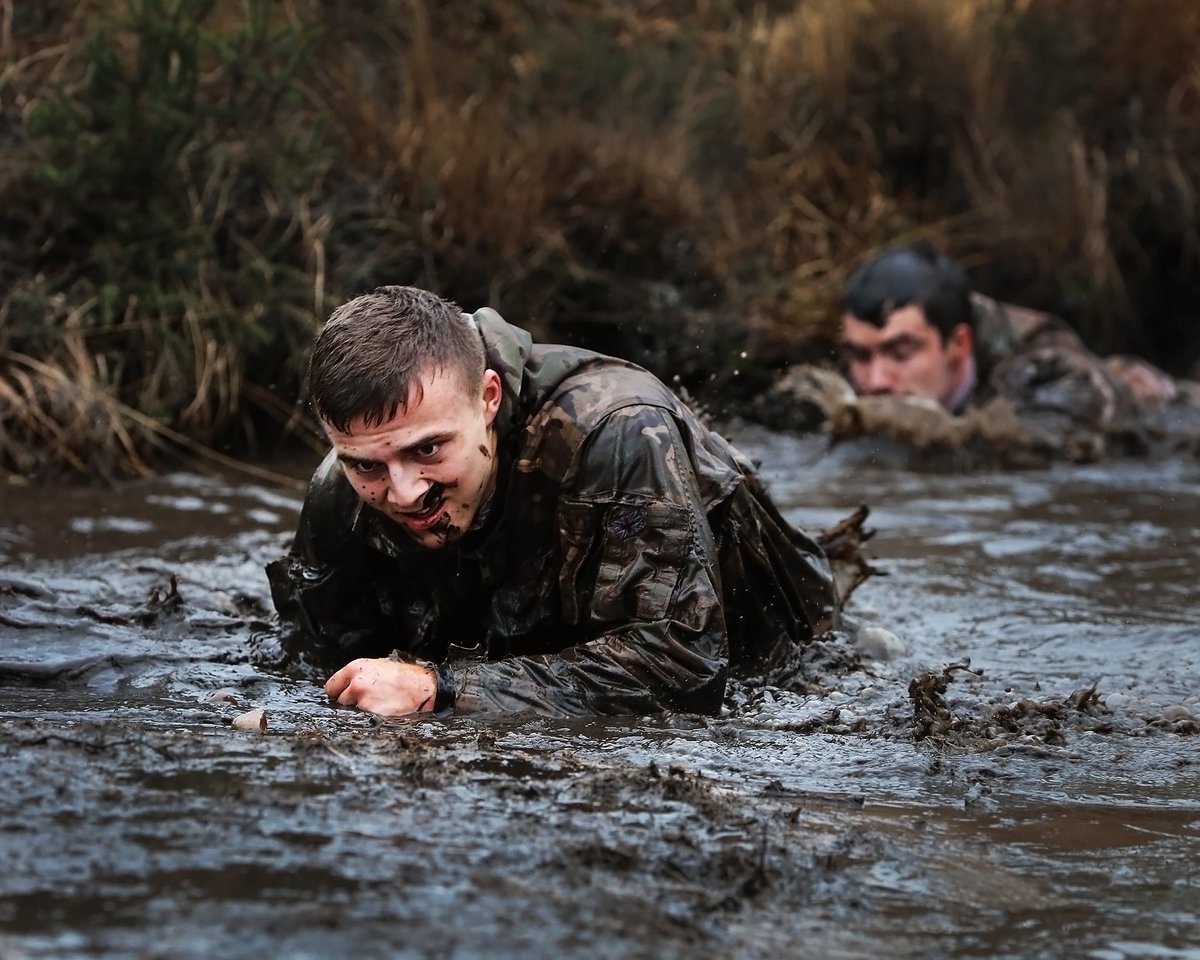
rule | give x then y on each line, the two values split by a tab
62	413
609	173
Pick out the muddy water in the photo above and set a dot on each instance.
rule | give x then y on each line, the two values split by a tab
1042	802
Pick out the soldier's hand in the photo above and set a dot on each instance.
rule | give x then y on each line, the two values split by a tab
385	687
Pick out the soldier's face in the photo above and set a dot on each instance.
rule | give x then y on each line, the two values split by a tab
433	465
906	357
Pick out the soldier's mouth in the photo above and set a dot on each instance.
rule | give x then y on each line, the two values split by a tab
431	512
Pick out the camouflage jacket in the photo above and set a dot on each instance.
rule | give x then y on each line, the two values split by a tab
1003	330
1060	388
630	562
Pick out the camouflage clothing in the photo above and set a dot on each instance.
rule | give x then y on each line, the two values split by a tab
628	563
1059	388
1003	330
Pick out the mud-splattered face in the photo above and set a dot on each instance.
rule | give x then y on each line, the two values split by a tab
431	466
907	356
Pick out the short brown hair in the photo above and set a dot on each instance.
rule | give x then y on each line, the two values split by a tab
369	357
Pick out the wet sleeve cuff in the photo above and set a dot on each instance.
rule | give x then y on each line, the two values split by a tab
446	694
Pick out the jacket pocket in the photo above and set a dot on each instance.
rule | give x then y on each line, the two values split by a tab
644	549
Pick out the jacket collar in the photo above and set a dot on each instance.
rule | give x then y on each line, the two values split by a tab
508	349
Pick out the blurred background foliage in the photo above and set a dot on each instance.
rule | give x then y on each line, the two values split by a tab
189	186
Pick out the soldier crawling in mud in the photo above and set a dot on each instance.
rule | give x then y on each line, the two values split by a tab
504	525
972	369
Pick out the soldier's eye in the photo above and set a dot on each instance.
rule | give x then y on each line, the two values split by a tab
902	350
427	451
365	467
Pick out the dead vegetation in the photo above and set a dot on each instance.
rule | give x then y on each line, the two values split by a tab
1026	724
190	185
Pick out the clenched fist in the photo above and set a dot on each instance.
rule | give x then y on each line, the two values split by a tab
387	688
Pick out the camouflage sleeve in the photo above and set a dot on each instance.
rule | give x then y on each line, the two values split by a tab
640	578
326	616
320	588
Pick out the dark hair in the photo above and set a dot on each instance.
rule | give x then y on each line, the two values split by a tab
369	357
913	275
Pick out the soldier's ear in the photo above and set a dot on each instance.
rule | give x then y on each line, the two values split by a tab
492	394
962	341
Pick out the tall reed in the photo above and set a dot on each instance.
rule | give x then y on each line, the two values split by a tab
188	186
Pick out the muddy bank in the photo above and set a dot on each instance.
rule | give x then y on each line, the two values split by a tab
1038	801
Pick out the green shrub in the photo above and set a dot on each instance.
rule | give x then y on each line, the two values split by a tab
176	172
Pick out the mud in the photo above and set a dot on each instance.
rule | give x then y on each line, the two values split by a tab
997	758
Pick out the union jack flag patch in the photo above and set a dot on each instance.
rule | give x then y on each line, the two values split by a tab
627	522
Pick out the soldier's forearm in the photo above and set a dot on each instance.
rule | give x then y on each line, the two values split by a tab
636	670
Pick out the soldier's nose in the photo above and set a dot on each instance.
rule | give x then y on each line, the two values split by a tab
879	378
406	489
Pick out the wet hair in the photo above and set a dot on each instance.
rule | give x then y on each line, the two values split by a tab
369	357
915	275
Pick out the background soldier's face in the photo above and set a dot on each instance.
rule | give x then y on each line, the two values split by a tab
433	465
906	356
